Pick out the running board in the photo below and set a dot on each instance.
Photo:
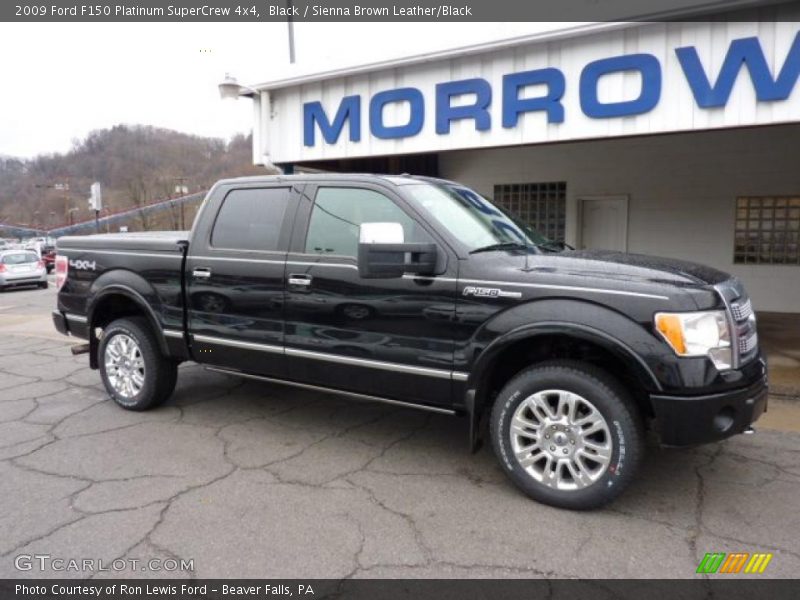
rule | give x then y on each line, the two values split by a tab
317	388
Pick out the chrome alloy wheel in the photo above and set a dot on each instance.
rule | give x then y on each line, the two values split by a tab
124	365
561	439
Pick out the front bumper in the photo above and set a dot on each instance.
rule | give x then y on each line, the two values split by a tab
692	420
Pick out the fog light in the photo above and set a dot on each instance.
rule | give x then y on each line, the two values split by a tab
724	419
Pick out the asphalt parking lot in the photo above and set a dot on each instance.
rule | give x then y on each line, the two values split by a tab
253	480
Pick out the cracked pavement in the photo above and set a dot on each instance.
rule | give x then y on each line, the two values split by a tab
256	480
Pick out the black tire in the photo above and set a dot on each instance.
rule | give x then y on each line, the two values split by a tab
160	372
596	389
44	285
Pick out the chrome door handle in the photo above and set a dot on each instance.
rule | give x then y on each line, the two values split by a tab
202	272
295	279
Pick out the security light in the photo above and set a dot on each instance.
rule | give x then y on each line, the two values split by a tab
232	89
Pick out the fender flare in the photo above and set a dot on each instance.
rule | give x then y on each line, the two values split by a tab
476	399
119	289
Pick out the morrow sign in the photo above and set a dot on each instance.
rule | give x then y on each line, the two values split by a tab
471	99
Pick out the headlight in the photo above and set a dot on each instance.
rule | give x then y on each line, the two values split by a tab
698	334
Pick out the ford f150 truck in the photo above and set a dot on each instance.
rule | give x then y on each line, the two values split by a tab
421	293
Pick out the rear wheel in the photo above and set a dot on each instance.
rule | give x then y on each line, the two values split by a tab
567	434
135	373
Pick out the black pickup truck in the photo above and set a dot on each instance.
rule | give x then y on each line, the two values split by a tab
420	292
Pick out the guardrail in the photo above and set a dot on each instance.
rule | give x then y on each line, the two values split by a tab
105	221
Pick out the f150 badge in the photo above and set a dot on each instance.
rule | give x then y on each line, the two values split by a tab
482	292
83	265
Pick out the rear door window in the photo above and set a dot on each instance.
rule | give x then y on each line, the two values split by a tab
251	219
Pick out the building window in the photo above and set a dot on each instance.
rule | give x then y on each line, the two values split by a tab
542	206
767	230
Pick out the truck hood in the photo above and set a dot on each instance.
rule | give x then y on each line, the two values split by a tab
621	266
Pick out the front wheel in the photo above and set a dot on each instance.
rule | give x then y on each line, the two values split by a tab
567	434
135	373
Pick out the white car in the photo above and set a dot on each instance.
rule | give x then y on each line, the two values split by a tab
21	267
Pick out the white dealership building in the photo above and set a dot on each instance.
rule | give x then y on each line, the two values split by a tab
679	139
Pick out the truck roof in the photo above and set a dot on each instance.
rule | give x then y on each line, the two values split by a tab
404	179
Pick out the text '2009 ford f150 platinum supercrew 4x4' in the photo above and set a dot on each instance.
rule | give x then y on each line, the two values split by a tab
422	293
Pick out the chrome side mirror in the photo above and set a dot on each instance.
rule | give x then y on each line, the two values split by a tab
383	253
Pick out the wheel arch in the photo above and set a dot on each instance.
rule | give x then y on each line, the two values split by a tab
114	302
531	344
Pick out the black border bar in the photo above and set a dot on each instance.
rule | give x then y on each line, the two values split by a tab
323	11
730	587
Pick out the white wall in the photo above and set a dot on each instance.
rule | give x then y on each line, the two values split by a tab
280	130
682	190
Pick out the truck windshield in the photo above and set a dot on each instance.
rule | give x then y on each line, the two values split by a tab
474	220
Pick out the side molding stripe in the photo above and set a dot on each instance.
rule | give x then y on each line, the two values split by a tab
337	358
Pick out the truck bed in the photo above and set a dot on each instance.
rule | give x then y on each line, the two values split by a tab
159	241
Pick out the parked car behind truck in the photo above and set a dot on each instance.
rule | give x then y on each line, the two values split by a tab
21	268
563	358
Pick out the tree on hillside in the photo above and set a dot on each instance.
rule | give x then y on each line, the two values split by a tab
135	164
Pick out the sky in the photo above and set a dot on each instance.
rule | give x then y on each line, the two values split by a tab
62	80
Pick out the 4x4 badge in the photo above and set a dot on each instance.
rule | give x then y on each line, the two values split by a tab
483	292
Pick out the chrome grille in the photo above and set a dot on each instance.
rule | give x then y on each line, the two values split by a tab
741	310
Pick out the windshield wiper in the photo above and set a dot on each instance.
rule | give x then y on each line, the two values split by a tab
554	246
501	246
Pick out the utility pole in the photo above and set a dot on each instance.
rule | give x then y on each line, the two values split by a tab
181	189
290	24
62	186
96	203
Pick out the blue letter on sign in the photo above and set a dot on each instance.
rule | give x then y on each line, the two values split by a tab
745	51
416	103
514	106
646	64
445	113
350	108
